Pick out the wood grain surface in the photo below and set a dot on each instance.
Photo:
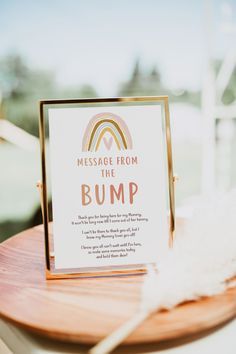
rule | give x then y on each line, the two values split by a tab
87	310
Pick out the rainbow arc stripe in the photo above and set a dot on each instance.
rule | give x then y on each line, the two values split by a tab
102	123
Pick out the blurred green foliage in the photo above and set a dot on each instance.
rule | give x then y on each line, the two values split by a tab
149	83
229	95
22	87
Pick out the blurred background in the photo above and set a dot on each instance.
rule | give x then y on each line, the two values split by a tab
74	48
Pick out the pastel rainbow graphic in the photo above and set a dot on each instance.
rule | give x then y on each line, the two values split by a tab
102	123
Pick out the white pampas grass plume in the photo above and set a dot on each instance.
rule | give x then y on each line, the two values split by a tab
201	264
202	260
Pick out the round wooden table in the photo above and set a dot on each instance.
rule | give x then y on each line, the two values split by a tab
87	310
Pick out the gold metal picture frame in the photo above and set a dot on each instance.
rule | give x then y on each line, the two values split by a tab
44	105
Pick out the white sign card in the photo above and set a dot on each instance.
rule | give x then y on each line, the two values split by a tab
109	185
